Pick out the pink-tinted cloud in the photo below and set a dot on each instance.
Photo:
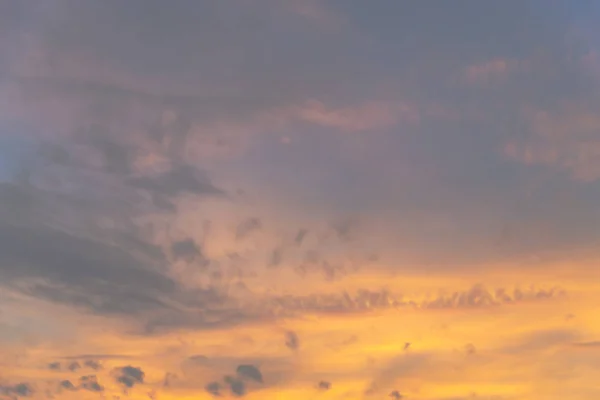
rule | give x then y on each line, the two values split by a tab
370	115
591	63
316	11
568	140
489	71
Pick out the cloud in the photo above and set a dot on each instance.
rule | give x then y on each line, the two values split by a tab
129	376
370	116
79	271
324	385
395	368
90	383
316	11
300	236
118	149
588	344
115	271
363	300
181	179
17	390
95	365
188	250
396	395
91	357
67	385
565	140
237	387
247	226
250	372
276	257
491	70
292	341
74	366
479	296
539	341
214	388
54	366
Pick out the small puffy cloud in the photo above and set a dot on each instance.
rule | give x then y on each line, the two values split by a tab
292	341
300	236
470	349
90	383
236	386
74	366
396	395
214	388
249	371
129	376
54	366
324	385
95	365
247	226
187	250
67	385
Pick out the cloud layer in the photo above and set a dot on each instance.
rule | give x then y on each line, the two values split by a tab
300	200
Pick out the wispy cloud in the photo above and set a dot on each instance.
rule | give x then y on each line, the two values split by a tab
566	139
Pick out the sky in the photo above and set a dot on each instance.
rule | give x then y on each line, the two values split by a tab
299	199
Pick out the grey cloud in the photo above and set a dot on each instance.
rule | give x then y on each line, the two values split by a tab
276	257
129	376
67	385
345	229
247	226
54	153
180	179
300	236
188	250
214	388
54	366
168	379
250	372
90	383
74	366
118	158
17	390
95	365
324	385
82	33
237	387
479	296
77	268
119	274
396	395
292	340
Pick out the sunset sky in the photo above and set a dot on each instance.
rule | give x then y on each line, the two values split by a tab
300	199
